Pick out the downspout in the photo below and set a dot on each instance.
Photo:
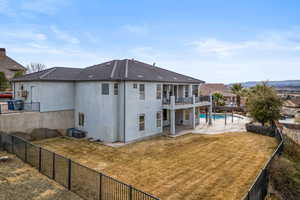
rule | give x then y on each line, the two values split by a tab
125	77
124	114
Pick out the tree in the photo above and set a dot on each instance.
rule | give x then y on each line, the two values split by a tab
237	89
219	99
3	82
35	67
18	74
263	104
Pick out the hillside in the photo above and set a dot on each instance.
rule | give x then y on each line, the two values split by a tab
287	84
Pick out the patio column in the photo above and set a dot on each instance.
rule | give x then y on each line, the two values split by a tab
193	114
172	117
190	90
210	110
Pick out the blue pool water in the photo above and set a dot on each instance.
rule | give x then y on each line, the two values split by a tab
214	116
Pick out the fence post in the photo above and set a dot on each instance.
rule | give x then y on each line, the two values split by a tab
13	144
69	174
130	192
25	151
40	159
53	166
100	186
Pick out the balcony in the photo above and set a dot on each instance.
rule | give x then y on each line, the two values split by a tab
185	102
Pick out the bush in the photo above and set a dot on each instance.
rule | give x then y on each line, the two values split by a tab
263	104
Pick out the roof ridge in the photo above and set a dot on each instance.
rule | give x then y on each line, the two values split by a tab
45	74
114	68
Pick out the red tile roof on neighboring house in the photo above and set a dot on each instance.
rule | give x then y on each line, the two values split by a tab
210	88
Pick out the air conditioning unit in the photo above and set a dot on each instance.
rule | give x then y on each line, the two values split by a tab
76	133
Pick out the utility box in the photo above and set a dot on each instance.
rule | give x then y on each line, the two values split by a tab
3	107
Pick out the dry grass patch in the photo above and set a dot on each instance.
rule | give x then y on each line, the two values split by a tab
187	167
19	181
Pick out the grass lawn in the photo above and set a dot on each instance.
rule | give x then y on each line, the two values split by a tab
187	167
19	181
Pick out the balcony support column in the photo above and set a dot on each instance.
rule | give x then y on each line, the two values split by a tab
172	117
193	113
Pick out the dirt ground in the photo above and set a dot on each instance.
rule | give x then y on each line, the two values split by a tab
187	167
19	181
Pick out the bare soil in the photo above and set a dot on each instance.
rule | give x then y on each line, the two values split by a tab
19	181
187	167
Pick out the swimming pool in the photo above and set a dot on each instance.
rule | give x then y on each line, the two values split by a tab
217	116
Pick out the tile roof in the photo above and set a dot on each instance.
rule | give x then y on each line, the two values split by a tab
209	88
115	70
8	63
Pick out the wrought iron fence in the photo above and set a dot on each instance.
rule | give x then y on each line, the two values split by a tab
259	188
85	182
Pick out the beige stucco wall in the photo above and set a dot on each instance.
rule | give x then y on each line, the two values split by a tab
27	121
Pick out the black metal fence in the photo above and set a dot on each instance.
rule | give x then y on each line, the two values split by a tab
259	189
87	183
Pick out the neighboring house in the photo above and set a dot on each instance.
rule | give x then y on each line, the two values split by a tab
8	65
292	103
211	88
119	100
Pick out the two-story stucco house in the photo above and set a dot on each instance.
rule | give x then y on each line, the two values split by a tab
119	100
9	66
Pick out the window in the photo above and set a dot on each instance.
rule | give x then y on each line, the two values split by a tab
195	90
158	91
142	91
158	119
142	122
186	115
105	89
80	119
134	85
116	89
186	91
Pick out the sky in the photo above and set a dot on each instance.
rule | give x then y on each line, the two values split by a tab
220	41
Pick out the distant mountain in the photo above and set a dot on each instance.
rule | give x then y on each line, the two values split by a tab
276	84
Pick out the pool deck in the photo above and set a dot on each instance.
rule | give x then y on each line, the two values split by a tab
218	126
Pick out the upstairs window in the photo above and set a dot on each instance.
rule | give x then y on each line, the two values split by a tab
116	89
80	119
142	122
142	91
158	91
186	91
105	89
158	119
195	90
134	85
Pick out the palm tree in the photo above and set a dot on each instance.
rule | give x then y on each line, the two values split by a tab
219	99
237	89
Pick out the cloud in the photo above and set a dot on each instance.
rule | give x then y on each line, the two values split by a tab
21	34
270	41
62	35
48	7
137	29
